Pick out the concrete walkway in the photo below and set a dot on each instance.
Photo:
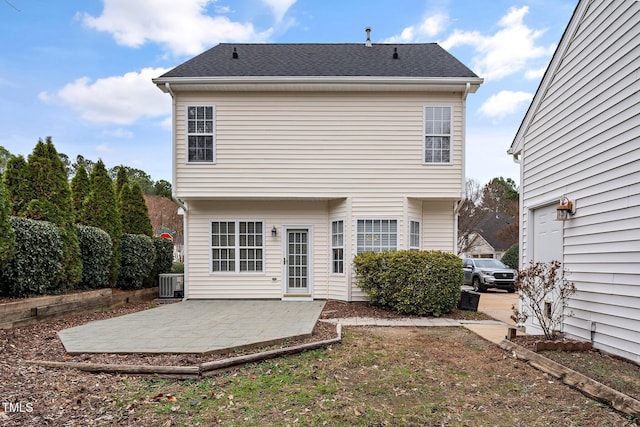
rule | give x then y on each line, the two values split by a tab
496	304
195	327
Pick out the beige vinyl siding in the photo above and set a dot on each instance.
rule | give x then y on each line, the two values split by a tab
584	141
205	284
322	145
339	210
438	222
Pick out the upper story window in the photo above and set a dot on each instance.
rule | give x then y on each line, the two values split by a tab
437	134
200	133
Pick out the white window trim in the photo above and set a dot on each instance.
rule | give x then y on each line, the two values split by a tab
424	134
411	221
381	218
343	247
237	248
187	135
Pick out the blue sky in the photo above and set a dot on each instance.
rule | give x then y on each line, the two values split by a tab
80	70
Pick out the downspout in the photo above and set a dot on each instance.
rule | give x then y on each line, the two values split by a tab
167	86
518	158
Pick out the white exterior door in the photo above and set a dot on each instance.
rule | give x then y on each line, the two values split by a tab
547	235
297	263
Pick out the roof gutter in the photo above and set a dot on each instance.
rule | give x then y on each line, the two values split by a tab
461	84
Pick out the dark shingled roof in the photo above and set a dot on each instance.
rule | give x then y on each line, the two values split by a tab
323	60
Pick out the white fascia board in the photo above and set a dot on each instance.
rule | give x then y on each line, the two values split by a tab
457	84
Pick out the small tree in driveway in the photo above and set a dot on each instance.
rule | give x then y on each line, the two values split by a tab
544	294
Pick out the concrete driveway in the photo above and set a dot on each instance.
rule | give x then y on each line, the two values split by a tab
497	304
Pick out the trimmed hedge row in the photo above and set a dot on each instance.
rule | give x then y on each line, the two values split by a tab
96	250
37	257
164	260
36	261
411	282
138	258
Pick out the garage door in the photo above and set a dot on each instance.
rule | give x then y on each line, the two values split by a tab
547	235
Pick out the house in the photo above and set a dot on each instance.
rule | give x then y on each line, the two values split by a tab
491	238
580	140
292	158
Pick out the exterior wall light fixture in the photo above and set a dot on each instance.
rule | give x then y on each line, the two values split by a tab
564	209
274	231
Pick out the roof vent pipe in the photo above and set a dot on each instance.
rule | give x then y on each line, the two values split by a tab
234	55
395	53
368	42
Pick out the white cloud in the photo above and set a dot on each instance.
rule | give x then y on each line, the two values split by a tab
507	51
119	133
183	28
535	74
504	103
119	100
167	123
422	32
103	148
279	7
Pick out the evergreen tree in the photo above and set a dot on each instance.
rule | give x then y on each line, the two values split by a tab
18	184
5	155
100	210
80	190
122	179
134	211
134	175
162	188
7	237
52	202
124	198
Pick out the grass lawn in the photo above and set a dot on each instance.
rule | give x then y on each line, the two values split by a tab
376	377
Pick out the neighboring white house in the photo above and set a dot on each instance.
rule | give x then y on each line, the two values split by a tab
292	158
581	139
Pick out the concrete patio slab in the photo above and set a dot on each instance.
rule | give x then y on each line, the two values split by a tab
195	326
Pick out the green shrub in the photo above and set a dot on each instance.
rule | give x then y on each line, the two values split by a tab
138	257
96	250
177	267
164	258
411	282
511	256
7	238
36	261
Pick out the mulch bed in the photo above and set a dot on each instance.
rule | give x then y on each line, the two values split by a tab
71	397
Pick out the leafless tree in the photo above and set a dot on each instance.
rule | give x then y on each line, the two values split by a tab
469	215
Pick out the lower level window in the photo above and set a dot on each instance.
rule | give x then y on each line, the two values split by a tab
377	235
414	235
237	246
337	247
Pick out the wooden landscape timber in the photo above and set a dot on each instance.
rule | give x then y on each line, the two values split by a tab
32	310
586	385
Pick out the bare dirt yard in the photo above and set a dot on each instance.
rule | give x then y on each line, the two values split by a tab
376	376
